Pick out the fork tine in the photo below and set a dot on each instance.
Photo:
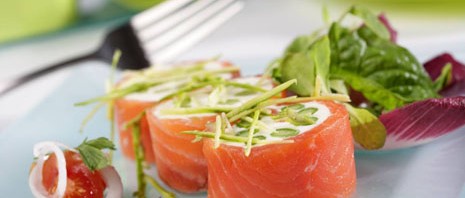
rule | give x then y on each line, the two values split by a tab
184	28
196	35
155	13
155	29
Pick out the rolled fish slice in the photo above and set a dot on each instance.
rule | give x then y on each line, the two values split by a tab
180	162
132	105
319	162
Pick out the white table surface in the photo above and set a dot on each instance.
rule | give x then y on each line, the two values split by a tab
262	29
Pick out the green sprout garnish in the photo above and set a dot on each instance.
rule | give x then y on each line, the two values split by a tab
248	147
258	99
285	132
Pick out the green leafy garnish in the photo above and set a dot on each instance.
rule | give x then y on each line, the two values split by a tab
285	132
385	73
444	78
194	110
306	65
367	130
258	99
371	21
92	155
253	125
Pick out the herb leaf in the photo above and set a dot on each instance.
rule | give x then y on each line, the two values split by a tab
444	78
385	73
101	143
92	154
371	21
306	65
367	129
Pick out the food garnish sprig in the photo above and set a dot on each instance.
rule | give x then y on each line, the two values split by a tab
142	177
257	107
92	156
359	59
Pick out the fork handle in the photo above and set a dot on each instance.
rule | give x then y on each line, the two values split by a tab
12	84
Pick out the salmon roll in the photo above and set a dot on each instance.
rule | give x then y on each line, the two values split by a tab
179	157
301	150
135	103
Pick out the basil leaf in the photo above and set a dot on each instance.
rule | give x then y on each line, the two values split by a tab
383	72
285	132
444	78
367	130
371	21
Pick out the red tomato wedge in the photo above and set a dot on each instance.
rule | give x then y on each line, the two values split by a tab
81	182
180	163
320	163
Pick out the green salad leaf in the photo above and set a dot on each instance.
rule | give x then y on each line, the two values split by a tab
444	78
362	59
384	72
367	130
306	65
371	21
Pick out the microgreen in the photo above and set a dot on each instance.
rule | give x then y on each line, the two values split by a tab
260	98
237	139
92	154
285	132
253	125
194	110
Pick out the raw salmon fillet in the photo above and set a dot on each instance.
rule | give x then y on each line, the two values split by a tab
180	163
126	110
320	163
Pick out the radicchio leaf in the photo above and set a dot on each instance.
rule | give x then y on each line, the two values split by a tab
392	32
423	121
457	85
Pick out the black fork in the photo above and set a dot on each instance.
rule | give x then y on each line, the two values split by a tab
139	39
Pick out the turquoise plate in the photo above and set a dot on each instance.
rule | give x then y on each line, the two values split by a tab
433	170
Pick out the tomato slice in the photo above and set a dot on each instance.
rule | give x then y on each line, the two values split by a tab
81	181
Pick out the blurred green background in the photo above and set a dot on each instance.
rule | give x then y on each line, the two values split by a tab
20	19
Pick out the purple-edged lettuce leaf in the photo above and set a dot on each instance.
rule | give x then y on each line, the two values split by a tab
392	32
456	86
423	121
